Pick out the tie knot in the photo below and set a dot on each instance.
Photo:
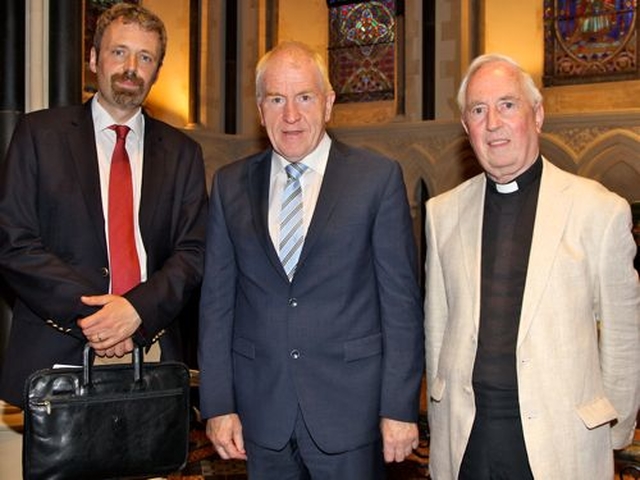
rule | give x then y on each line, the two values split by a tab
295	170
121	131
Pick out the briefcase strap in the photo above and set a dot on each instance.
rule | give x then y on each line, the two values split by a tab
87	364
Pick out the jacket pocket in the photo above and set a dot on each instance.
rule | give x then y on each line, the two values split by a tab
597	412
363	347
244	347
436	390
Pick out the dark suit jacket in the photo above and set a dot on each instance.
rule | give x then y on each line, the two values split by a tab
344	340
52	242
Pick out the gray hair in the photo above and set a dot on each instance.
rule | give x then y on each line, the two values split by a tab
295	50
534	95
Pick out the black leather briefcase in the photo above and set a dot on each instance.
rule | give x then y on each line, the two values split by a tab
106	421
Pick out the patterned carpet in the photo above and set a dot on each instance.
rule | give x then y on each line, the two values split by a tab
204	464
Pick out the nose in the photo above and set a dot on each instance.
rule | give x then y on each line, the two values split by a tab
131	63
291	113
493	119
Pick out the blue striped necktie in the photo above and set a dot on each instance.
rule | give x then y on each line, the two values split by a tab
291	231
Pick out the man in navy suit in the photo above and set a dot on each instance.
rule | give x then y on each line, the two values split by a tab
54	247
313	373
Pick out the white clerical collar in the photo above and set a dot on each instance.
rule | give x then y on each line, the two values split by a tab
507	187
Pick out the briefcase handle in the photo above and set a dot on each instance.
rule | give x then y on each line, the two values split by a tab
87	362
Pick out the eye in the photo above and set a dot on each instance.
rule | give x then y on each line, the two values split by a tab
305	98
275	100
146	58
507	106
118	52
477	111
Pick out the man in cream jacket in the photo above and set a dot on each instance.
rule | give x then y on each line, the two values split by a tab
532	308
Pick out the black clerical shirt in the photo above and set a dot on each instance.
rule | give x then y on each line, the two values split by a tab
509	214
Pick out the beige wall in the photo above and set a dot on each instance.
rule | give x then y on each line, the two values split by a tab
314	30
169	97
515	29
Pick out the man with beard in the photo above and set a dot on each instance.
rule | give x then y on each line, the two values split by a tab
102	215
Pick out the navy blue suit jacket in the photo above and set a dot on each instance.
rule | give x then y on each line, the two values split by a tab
344	340
52	241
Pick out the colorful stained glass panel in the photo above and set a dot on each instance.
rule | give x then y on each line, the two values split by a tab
590	41
362	50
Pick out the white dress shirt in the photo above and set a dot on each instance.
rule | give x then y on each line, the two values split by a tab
105	143
311	181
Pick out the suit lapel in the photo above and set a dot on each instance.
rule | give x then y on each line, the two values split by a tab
153	175
334	182
258	177
470	214
547	234
82	146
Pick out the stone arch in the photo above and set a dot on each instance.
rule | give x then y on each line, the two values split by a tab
613	159
558	153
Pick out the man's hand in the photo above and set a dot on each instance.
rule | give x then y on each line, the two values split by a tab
398	439
119	350
225	432
110	329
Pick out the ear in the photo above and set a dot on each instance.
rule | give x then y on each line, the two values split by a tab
328	106
464	125
260	113
538	111
93	60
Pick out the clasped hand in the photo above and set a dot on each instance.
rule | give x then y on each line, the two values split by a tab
109	330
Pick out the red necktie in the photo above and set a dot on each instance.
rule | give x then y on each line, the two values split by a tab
124	264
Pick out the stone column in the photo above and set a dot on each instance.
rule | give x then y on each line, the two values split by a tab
12	81
12	65
65	52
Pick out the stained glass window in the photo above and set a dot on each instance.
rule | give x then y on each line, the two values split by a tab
590	41
362	57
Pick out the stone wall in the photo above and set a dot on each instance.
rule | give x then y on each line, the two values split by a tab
435	156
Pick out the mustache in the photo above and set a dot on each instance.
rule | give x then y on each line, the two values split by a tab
129	76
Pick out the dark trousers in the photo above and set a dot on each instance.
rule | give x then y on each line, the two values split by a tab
496	448
301	459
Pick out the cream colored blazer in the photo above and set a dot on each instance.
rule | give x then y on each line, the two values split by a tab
578	347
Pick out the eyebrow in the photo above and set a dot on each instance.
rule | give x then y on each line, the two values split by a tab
124	46
500	99
297	94
510	97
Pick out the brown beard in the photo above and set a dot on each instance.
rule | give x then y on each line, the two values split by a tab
127	98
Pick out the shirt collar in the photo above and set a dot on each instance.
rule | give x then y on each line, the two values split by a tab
523	180
102	120
316	160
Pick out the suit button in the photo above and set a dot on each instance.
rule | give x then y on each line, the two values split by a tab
104	271
293	302
295	354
